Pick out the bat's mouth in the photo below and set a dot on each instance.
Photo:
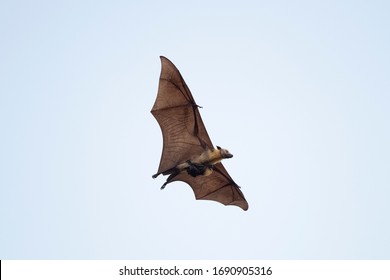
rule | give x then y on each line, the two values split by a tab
228	156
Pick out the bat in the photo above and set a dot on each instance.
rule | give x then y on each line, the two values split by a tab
188	154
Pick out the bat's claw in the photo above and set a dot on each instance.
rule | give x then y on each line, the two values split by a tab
163	186
155	175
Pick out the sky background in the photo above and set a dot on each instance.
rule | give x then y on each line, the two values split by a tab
298	91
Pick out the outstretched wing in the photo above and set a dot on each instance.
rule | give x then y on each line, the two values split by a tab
218	186
185	136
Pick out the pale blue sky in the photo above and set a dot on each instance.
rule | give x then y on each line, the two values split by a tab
298	91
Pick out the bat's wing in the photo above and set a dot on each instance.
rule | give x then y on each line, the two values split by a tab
218	186
184	135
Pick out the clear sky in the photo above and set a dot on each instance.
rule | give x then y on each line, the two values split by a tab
298	91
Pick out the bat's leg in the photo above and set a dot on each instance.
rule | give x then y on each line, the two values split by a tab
169	171
170	177
163	186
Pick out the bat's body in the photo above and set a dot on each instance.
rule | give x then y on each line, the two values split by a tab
204	163
188	154
200	165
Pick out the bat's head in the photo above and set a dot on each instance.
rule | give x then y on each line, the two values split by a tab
224	152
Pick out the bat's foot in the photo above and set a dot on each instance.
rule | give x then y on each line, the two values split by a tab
174	173
155	175
163	186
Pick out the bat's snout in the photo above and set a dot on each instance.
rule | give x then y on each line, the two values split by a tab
228	155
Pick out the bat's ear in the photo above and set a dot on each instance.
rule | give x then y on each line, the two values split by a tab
218	147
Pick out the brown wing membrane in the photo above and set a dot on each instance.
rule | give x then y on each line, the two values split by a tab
218	186
184	135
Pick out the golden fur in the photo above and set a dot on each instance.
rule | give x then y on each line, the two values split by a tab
208	158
